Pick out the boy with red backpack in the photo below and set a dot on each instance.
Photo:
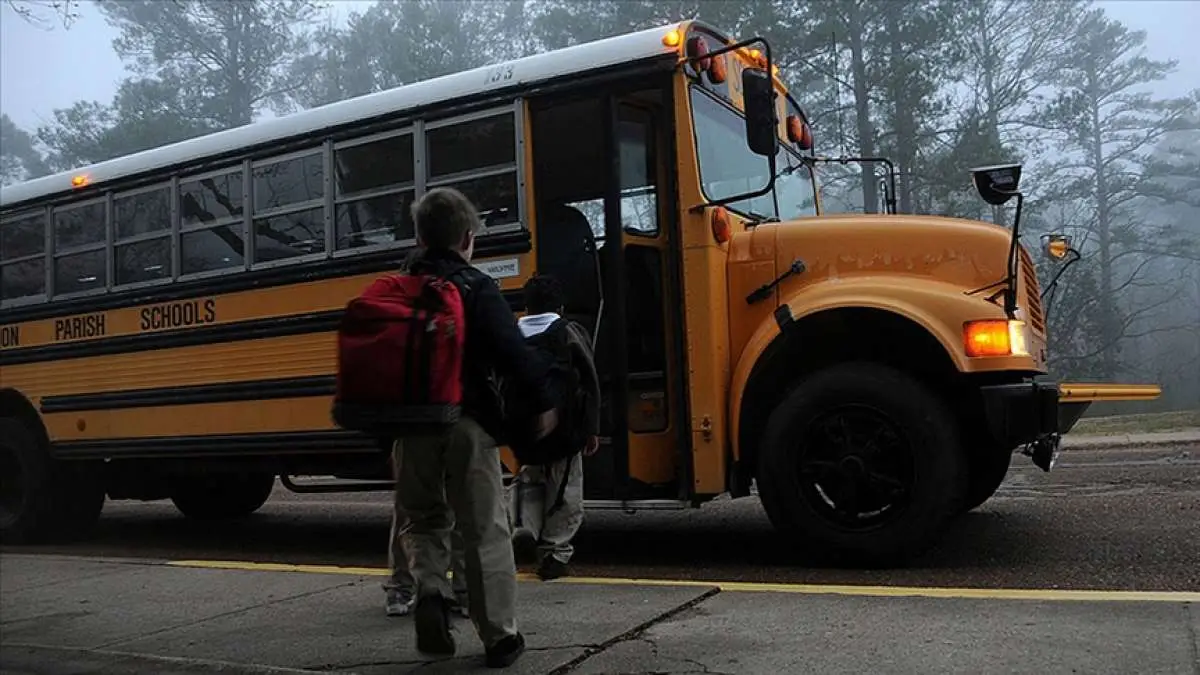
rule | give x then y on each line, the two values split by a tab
417	354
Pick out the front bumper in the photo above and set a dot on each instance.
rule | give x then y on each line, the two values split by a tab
1039	411
1022	412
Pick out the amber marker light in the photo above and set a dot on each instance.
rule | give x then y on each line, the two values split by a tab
722	229
671	39
79	181
995	337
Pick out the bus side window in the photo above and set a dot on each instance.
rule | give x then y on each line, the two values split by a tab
639	205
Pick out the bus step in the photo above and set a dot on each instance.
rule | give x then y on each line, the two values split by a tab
631	505
314	487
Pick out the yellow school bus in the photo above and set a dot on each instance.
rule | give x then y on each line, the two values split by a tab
167	318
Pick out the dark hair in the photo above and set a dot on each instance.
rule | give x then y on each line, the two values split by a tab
543	294
443	217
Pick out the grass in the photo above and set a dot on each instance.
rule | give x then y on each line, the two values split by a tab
1134	424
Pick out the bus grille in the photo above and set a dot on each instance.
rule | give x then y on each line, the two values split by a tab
1033	298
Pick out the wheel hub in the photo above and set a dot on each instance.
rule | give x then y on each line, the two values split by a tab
855	466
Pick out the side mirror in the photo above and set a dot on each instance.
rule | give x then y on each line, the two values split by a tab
758	96
997	184
1056	246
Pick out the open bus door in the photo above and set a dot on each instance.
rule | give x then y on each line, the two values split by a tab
603	210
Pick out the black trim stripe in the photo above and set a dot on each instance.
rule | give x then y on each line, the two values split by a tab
229	445
254	329
267	327
253	390
509	243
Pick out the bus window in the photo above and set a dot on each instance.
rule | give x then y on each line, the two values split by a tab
135	216
79	225
639	206
728	167
289	208
80	262
210	216
478	157
375	183
22	256
208	201
211	249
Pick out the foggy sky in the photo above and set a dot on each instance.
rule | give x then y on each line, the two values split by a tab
41	70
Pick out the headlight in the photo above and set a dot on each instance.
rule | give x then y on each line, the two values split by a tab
996	337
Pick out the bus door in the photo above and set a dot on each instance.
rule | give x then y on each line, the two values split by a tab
601	209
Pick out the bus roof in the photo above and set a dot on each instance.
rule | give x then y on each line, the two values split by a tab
529	70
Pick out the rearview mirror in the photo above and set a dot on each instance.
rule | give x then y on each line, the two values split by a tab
997	184
758	96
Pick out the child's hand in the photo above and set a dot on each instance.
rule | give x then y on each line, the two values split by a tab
592	445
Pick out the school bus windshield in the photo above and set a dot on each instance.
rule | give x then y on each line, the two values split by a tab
728	167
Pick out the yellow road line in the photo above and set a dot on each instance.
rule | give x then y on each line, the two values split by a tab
1047	594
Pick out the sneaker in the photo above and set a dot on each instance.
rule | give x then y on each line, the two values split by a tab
505	652
399	602
432	619
552	568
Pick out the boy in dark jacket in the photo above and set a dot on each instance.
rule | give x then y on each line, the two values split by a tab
462	464
549	499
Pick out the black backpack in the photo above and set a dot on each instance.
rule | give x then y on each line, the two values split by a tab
568	436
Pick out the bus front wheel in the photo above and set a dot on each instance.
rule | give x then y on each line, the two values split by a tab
221	496
42	499
861	463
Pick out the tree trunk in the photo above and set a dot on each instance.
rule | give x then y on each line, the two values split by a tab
1109	330
862	105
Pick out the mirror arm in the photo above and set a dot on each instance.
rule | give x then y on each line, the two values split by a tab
889	195
1057	275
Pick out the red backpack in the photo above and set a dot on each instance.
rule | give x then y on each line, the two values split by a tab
400	356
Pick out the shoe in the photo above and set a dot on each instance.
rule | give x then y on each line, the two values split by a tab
432	619
524	546
505	652
552	568
399	602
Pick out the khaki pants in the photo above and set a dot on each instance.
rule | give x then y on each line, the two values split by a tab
401	578
534	509
454	478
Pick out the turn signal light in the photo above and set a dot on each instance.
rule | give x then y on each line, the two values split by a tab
799	132
722	229
697	49
995	338
671	39
79	181
716	70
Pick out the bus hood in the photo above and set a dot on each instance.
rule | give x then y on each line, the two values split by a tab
967	253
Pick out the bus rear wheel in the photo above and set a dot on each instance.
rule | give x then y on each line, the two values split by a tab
860	463
42	499
221	496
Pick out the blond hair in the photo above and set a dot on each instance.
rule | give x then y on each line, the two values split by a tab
443	217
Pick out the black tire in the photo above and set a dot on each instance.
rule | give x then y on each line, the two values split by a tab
913	479
42	499
987	469
221	496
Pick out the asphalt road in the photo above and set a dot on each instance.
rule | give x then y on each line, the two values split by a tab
1115	519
